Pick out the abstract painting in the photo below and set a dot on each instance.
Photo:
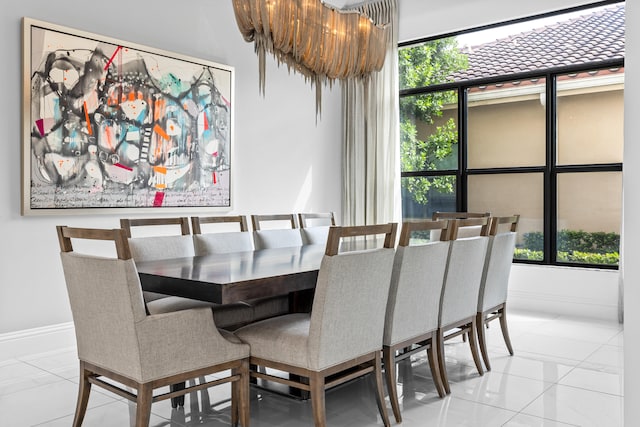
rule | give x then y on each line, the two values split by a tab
110	124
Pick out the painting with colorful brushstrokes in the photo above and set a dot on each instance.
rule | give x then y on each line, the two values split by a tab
109	124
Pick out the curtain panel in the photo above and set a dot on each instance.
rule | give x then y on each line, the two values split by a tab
371	136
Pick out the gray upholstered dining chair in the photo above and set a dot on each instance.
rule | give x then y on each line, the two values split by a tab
411	321
151	247
492	299
314	227
459	299
341	339
222	241
118	341
264	238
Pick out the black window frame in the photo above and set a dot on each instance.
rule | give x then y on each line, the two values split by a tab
551	169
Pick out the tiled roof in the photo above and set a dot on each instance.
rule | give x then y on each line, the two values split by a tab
593	37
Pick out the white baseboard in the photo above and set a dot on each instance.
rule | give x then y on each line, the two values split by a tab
587	293
551	304
17	344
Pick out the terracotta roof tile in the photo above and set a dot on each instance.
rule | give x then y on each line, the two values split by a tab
593	37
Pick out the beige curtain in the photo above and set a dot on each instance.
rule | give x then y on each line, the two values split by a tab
371	138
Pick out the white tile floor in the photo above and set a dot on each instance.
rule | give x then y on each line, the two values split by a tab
566	372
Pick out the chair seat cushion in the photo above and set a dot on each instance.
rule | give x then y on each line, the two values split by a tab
280	339
225	315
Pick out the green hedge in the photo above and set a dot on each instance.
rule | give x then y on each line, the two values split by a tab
575	246
576	241
572	256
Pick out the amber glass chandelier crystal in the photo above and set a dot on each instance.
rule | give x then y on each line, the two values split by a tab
318	41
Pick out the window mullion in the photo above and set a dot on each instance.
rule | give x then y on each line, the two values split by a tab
551	179
462	176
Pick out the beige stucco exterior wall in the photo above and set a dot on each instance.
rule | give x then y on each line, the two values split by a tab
510	131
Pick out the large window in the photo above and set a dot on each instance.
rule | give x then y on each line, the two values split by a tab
528	122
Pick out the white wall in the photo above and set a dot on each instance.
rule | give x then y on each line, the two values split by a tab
282	160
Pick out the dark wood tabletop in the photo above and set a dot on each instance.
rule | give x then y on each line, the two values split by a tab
239	276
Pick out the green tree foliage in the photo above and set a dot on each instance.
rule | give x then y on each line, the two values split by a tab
424	65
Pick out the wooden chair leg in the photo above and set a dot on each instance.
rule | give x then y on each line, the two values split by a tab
316	383
432	354
235	398
382	407
505	330
482	340
473	343
441	362
390	374
243	394
143	405
84	389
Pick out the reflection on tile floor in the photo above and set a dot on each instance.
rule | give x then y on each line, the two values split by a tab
566	372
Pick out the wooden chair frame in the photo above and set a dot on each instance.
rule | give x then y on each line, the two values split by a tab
197	221
128	223
91	374
459	215
256	219
337	233
483	222
303	217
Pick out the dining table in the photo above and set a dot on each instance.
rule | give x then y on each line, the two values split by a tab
237	276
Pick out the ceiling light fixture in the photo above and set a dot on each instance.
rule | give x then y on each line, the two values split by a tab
320	42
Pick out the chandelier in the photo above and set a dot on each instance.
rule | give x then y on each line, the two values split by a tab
320	42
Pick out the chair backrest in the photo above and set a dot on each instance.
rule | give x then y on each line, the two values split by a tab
416	284
316	219
470	227
221	242
314	227
465	266
197	221
459	215
347	316
106	299
463	231
509	223
277	237
257	220
149	248
128	223
497	267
